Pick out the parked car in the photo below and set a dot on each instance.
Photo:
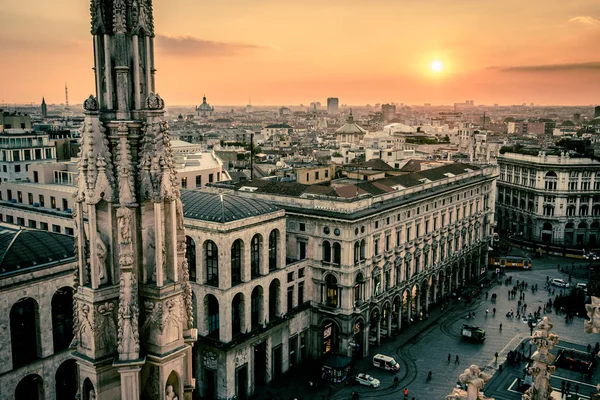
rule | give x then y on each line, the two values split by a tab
582	286
367	380
385	362
559	283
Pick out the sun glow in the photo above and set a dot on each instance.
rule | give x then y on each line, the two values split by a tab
437	66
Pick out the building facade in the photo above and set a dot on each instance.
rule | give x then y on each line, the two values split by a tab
20	149
549	199
333	105
36	278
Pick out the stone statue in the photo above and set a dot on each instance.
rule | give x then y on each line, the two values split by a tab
124	218
170	393
475	380
542	358
100	256
92	394
593	311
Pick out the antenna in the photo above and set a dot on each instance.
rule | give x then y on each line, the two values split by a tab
66	96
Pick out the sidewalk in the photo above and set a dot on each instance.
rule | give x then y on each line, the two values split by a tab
294	384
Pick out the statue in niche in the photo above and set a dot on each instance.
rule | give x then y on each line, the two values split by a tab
100	256
106	329
124	218
92	394
170	393
85	327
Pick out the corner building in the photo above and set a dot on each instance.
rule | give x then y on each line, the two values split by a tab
251	305
550	199
378	262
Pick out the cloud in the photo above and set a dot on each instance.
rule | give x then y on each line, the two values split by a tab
585	20
193	47
585	66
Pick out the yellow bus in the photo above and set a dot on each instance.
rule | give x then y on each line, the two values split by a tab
510	262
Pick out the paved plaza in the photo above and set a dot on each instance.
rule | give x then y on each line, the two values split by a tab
425	346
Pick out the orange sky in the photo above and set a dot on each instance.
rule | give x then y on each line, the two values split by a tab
298	51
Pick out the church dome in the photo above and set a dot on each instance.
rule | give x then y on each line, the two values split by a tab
351	127
204	106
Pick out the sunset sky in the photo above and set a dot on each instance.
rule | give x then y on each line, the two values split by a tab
298	51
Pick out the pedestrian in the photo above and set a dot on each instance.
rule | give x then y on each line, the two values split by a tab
406	393
456	361
449	358
496	355
500	327
568	388
487	311
494	311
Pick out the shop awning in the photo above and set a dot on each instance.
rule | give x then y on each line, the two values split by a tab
336	361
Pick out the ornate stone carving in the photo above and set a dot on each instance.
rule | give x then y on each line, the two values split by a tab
241	357
154	102
172	320
179	213
91	104
593	312
100	257
124	220
124	167
187	294
153	319
128	335
85	329
97	14
210	360
95	173
105	326
542	358
475	380
119	17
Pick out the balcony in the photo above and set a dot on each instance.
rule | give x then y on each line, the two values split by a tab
376	258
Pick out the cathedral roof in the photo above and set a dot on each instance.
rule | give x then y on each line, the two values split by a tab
204	106
208	207
20	249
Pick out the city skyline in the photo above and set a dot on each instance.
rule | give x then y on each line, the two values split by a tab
507	53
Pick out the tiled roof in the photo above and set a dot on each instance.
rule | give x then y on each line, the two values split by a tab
208	207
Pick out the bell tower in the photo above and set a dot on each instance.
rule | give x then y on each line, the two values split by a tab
133	307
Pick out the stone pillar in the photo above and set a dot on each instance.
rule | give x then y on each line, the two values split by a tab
366	340
399	316
379	331
389	322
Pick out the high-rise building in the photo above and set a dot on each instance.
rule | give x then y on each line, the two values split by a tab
388	111
133	321
44	108
333	105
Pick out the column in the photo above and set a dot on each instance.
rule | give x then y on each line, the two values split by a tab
399	316
389	322
366	340
379	331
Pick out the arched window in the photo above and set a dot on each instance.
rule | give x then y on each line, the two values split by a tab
62	318
211	259
256	307
356	252
24	332
332	291
211	310
30	388
237	314
255	246
66	380
274	301
236	262
582	225
190	256
359	287
547	226
362	249
326	251
337	253
273	239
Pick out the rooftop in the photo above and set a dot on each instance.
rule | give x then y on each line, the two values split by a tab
213	207
26	248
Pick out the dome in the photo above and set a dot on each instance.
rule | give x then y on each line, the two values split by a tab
204	106
351	127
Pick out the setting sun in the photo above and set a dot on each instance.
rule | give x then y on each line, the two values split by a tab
437	66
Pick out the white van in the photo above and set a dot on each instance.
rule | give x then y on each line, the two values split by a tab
385	362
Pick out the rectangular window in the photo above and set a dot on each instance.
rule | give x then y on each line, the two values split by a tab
20	221
408	237
198	181
301	273
426	226
41	200
376	246
10	219
418	230
9	195
52	202
17	168
290	276
48	153
326	173
387	242
35	177
302	227
301	293
44	226
184	182
65	204
398	237
302	250
29	198
69	231
32	224
19	196
55	228
316	174
290	299
376	224
211	178
434	223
